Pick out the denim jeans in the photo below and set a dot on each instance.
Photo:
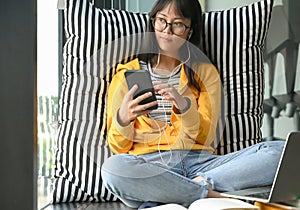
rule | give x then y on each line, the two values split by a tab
166	177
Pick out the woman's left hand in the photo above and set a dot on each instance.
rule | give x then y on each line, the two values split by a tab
170	93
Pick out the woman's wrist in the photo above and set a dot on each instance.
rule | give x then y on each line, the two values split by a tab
185	108
120	121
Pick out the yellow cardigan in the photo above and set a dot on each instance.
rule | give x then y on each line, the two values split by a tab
194	129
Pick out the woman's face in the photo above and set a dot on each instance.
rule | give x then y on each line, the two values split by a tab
168	41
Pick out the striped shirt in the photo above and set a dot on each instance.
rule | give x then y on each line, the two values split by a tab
164	110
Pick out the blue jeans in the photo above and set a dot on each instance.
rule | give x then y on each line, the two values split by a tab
166	177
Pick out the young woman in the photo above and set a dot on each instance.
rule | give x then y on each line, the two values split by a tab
165	155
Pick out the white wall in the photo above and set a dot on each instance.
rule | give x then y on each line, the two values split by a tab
145	6
215	5
139	5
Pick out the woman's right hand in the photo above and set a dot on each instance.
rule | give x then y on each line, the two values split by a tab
131	109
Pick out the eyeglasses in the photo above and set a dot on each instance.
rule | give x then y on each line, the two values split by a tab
177	28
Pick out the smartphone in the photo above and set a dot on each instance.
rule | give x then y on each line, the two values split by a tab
143	79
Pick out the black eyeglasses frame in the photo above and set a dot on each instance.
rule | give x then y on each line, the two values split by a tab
168	23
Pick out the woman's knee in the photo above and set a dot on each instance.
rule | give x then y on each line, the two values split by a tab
114	170
271	152
125	165
117	163
275	147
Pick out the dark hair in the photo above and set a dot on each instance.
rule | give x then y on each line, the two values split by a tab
190	9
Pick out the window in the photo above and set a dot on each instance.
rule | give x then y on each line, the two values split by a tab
47	93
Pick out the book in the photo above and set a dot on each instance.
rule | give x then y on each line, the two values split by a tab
210	204
276	206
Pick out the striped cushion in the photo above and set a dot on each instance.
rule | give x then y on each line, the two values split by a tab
89	61
233	40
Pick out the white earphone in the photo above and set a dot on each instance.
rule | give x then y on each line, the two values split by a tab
191	32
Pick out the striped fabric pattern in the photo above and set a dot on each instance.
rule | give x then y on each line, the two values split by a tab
233	39
89	64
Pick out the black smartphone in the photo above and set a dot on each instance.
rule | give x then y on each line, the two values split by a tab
143	79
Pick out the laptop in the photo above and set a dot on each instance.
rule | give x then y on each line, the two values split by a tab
286	184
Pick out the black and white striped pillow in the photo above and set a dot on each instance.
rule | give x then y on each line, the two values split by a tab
234	41
89	61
